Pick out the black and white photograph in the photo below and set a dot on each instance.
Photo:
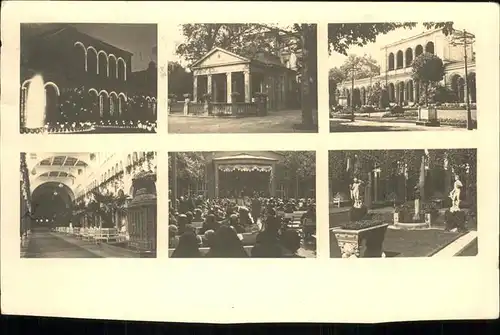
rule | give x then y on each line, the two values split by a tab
88	78
88	205
402	76
403	203
242	78
240	204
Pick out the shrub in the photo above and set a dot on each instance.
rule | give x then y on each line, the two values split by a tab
411	113
388	115
384	99
397	110
367	109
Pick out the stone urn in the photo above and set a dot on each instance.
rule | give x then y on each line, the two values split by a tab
427	116
360	239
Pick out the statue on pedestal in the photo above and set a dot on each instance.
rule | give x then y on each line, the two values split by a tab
416	216
455	195
355	194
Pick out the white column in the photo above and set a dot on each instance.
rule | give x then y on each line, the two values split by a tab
195	88
229	87
209	85
248	90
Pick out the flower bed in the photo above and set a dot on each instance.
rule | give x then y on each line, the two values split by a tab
362	224
82	127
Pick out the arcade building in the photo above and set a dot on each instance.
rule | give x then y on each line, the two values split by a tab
396	60
100	190
236	174
84	79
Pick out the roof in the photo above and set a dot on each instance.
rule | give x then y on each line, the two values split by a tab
244	157
49	30
262	58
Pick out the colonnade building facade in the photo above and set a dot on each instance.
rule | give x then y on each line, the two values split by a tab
82	76
396	61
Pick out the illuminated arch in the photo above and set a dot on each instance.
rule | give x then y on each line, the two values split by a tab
113	102
104	91
91	48
78	43
52	84
123	95
124	68
93	90
102	52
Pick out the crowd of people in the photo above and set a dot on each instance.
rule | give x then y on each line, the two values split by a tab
220	225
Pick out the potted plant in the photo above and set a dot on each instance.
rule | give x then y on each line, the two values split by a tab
427	70
363	238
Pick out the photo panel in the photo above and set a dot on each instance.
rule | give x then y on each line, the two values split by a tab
240	204
88	205
402	76
403	203
88	78
243	78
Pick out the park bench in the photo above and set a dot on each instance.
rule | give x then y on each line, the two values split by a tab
106	234
337	201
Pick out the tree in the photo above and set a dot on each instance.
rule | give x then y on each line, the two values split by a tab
179	80
242	39
335	77
302	165
427	69
190	166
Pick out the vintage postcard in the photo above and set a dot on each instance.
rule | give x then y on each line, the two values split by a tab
347	151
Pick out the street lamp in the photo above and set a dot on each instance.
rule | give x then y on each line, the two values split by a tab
464	38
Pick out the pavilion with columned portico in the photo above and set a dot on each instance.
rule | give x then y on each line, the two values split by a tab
221	74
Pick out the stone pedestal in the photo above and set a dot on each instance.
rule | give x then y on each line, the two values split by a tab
366	242
142	215
455	220
427	116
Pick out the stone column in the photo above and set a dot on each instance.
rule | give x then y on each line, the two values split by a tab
375	186
209	85
248	89
195	88
229	87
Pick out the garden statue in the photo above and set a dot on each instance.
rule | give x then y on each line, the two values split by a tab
455	195
416	216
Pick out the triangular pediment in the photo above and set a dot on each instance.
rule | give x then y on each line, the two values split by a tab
218	56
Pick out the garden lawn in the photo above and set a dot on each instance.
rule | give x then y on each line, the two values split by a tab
470	250
416	243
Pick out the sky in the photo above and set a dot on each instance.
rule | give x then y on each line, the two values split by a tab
139	39
373	49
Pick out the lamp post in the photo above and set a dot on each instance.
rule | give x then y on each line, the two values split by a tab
464	38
